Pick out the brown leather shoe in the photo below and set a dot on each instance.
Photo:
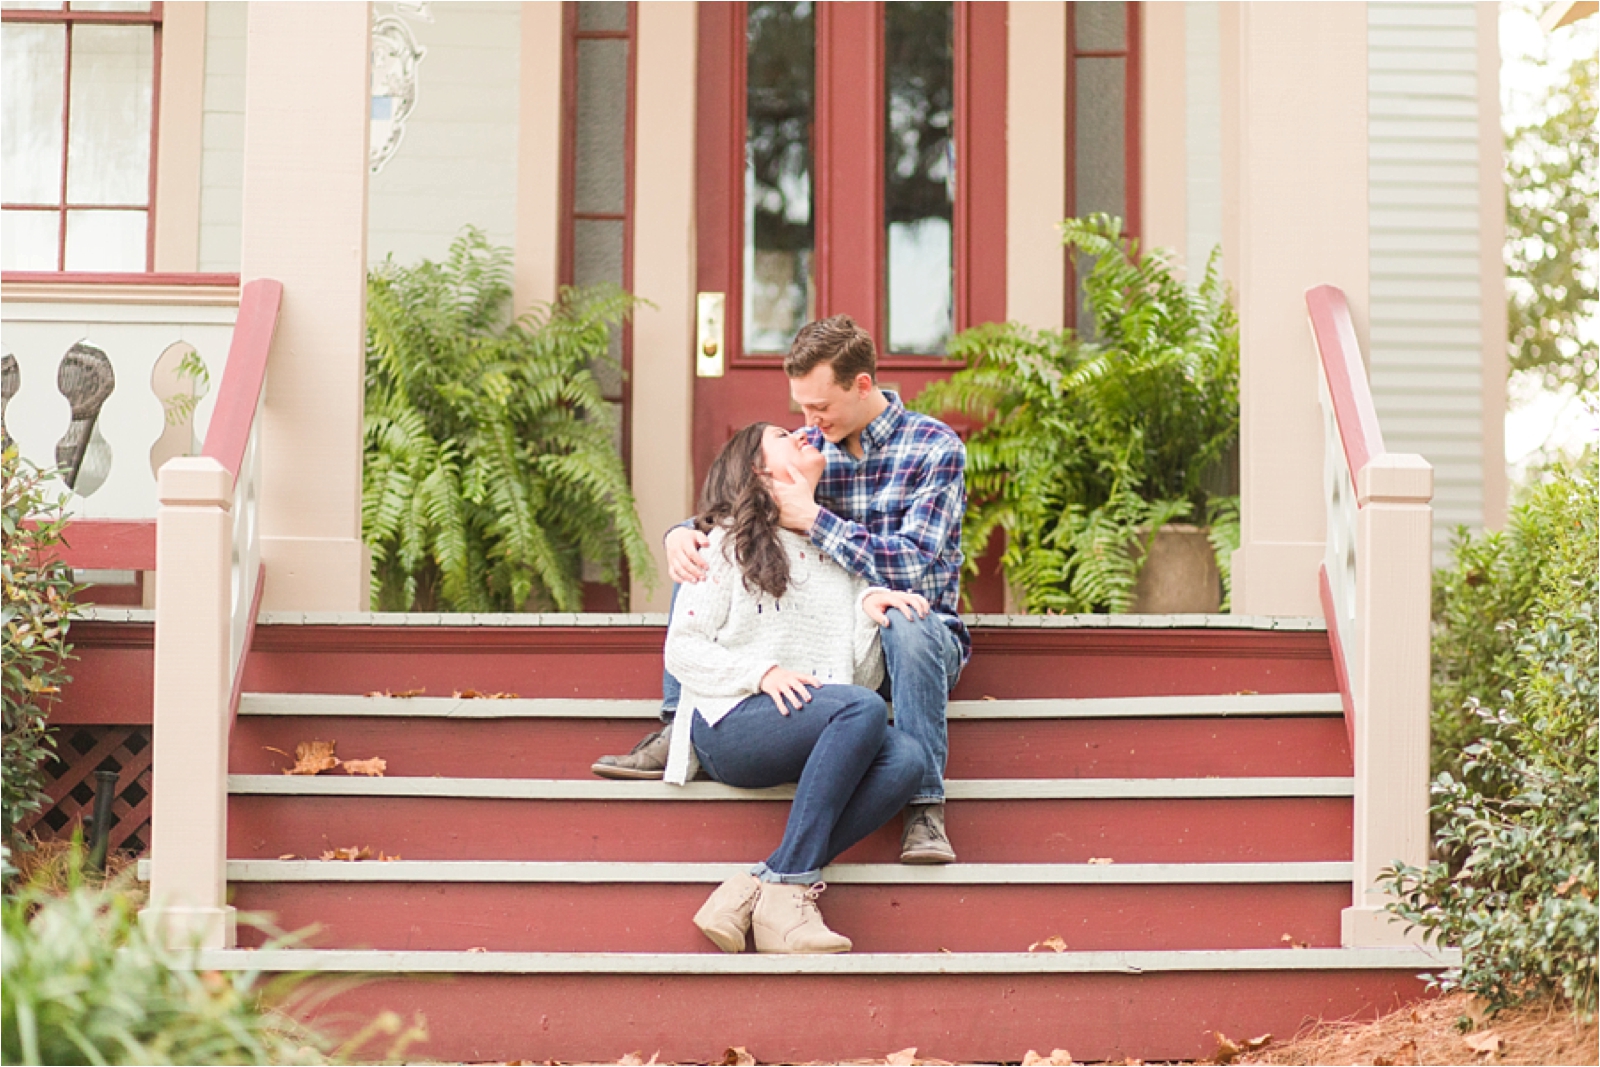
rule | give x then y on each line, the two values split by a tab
725	916
787	921
924	840
647	760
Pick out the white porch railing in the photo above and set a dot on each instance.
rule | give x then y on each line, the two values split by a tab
208	592
108	379
1376	578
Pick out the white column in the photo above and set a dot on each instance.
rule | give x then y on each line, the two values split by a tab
664	274
1294	216
193	683
307	102
1394	549
538	240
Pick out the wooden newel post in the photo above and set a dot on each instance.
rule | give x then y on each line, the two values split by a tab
1394	528
193	682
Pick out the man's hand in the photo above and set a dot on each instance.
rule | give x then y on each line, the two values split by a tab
685	564
878	605
797	508
786	685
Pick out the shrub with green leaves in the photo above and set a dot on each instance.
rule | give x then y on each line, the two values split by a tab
492	474
1090	443
83	983
37	613
1516	881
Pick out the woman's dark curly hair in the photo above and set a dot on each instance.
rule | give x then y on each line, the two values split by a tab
736	496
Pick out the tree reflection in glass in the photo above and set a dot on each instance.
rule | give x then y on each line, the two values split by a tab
779	231
919	169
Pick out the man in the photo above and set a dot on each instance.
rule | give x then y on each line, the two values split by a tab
888	509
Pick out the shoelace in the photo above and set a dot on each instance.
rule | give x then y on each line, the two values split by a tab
808	899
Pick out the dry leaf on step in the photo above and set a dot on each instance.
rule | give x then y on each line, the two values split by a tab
1289	941
477	948
473	694
351	854
1227	1051
1059	1057
738	1056
1101	861
906	1057
1053	942
1486	1043
384	857
373	767
313	757
288	856
402	694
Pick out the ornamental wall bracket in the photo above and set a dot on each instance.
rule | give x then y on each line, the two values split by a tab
395	59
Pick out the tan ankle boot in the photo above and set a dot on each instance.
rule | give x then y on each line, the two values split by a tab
725	916
787	920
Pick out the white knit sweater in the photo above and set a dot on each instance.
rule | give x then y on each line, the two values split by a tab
724	638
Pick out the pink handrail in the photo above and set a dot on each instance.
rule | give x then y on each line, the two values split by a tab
1340	352
240	392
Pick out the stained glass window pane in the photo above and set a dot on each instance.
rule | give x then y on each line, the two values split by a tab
29	240
779	229
1100	159
596	258
920	174
108	146
106	240
597	15
601	177
32	75
1100	27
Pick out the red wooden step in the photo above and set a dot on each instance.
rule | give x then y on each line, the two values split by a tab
961	1008
1176	830
1001	748
654	917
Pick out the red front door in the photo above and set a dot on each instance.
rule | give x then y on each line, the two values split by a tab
851	159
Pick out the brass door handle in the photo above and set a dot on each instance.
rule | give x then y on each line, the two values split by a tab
709	359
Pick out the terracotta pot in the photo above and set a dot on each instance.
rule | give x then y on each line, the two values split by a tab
1180	576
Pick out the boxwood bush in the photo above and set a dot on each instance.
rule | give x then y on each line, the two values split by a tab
1514	878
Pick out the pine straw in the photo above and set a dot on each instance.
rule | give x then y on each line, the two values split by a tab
48	866
1427	1033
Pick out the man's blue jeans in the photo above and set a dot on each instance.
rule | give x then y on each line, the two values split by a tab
853	773
923	662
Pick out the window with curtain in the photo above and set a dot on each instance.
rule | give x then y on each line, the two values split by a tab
78	103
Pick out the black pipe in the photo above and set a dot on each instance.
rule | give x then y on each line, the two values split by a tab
104	795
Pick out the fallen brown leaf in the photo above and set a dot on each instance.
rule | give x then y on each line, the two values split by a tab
906	1057
1053	942
477	948
288	856
473	694
351	854
373	768
402	694
1059	1057
1101	861
1227	1051
1289	941
313	757
1485	1043
737	1056
384	857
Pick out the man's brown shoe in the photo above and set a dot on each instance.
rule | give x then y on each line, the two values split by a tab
924	840
647	760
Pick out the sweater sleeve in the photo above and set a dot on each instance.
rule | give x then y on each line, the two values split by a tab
868	648
694	654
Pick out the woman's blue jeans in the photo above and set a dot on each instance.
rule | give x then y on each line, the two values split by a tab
853	773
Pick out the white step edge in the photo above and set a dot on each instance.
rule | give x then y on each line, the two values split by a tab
1058	874
441	707
599	789
952	963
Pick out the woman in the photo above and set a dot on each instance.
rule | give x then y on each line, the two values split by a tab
778	657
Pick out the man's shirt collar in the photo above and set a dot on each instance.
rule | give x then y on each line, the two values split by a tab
878	432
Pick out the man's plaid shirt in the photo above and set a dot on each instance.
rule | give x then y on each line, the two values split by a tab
894	516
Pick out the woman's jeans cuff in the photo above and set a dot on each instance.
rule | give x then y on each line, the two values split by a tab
763	873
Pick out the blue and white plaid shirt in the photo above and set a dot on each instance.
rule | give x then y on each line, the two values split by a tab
894	516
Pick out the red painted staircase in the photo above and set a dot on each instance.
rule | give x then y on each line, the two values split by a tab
1165	800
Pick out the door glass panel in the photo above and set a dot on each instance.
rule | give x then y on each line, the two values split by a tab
595	15
1100	27
597	258
33	76
600	183
1100	153
108	146
779	230
919	174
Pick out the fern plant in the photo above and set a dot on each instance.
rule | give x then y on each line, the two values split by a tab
492	476
1090	444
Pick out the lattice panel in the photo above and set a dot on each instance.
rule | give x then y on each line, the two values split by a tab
80	752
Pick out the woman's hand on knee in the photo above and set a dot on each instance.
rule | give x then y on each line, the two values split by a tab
878	604
784	685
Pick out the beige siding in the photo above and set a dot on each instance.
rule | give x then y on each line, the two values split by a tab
457	161
1427	311
222	138
1203	77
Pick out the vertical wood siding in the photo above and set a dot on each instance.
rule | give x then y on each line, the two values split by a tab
1203	77
222	138
1424	212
